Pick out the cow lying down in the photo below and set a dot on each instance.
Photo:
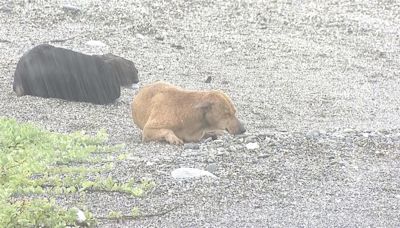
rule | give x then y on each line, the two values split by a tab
48	71
168	113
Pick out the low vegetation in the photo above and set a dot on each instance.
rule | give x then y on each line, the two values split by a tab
36	166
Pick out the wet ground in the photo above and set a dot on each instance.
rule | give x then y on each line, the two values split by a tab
317	85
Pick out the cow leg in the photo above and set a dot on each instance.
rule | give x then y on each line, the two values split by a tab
160	135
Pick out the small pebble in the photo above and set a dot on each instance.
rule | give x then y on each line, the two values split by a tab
135	86
228	50
187	173
177	46
159	37
262	156
232	148
313	134
192	146
222	153
251	138
212	168
252	146
80	216
140	36
348	130
241	136
71	8
149	163
218	142
342	163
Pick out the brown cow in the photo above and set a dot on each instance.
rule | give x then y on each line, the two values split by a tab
169	113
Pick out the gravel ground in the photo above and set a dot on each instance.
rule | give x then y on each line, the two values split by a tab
316	82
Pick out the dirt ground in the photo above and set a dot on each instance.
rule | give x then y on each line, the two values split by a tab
316	82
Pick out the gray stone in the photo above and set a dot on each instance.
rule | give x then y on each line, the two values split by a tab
348	130
71	8
149	163
313	134
252	146
135	86
251	138
260	156
218	142
222	153
187	173
228	50
80	215
366	135
212	168
192	146
140	36
159	37
177	46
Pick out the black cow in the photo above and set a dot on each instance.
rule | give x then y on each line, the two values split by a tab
48	71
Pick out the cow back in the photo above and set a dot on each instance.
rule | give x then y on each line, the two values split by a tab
48	71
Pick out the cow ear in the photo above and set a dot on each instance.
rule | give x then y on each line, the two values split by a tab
204	105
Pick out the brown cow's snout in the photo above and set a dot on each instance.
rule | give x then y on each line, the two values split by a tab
238	128
242	129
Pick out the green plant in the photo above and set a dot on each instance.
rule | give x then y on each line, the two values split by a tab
37	165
